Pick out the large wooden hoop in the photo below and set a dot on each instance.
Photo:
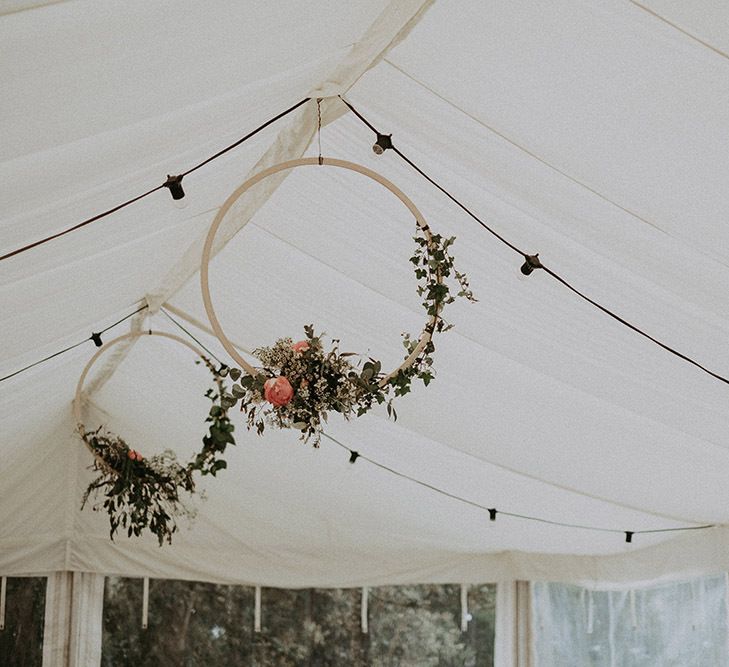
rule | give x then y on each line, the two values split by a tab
77	401
427	332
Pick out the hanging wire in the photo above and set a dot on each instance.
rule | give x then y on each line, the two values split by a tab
270	121
533	261
493	511
108	212
93	337
174	321
318	126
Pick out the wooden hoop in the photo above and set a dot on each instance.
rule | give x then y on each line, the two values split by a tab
425	336
134	334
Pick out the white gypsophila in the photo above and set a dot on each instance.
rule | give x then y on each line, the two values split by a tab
166	464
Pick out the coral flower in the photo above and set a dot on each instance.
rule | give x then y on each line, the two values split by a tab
301	346
278	391
134	455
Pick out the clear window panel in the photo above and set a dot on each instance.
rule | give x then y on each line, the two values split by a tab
21	641
421	626
482	623
672	625
310	627
189	623
206	624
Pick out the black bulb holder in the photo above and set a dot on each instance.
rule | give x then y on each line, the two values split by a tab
629	536
96	337
492	514
353	456
531	262
174	185
384	141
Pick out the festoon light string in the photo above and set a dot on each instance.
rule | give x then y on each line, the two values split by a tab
173	184
531	262
95	337
383	143
355	455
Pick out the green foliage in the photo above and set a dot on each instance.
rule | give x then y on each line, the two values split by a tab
433	264
145	493
327	381
419	626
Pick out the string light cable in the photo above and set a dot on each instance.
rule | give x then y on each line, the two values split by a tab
173	184
95	337
531	262
355	455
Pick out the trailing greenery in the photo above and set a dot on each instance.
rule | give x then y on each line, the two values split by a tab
296	386
146	493
299	383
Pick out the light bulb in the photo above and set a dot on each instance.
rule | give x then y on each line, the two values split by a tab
174	185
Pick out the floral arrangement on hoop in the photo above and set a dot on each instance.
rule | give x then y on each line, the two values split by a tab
299	383
296	387
147	493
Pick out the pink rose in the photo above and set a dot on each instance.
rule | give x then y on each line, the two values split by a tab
301	346
134	455
278	391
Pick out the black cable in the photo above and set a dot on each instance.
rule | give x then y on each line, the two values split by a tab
126	317
75	345
94	218
434	183
535	262
174	321
35	363
493	511
632	327
354	455
248	136
12	253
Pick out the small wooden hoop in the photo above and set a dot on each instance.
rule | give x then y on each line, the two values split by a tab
427	333
77	401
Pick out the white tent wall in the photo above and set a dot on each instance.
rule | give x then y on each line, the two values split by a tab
591	133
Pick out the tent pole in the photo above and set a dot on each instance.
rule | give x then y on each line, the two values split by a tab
73	619
363	611
464	607
3	592
513	641
257	610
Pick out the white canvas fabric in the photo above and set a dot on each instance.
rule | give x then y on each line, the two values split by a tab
591	133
